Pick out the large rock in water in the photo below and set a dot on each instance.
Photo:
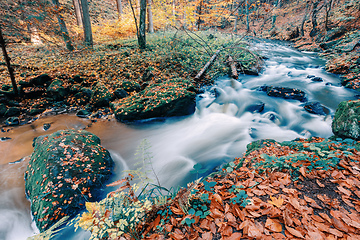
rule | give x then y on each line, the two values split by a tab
346	122
66	169
284	92
171	98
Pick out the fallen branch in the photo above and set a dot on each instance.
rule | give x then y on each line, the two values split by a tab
232	65
207	65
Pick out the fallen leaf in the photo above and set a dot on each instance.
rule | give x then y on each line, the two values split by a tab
273	225
278	202
294	232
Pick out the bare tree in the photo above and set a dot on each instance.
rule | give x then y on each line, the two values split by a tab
63	28
7	60
142	25
307	8
86	23
119	7
150	17
328	5
78	12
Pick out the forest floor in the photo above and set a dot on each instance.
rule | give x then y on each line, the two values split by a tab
170	55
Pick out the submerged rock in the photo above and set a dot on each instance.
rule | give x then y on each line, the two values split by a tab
66	169
316	108
284	92
12	121
346	123
167	99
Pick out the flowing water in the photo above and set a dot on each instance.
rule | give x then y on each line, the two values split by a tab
217	132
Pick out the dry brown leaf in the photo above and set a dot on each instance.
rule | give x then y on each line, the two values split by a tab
336	232
318	218
295	203
216	213
207	235
227	231
325	216
218	198
319	183
314	236
287	219
273	225
302	171
278	202
344	191
253	232
294	232
234	236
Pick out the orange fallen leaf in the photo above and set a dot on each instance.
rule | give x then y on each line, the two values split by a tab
273	225
278	202
294	232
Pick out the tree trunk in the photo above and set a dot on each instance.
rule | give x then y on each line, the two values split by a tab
150	17
119	7
247	15
86	23
314	13
142	25
207	65
7	60
327	4
63	28
304	19
78	12
199	13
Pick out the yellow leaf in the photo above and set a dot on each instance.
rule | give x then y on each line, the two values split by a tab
278	202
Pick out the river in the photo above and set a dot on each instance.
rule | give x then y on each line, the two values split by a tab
219	130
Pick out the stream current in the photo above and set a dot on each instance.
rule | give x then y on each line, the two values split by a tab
219	130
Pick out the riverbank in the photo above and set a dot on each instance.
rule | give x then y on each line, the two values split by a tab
118	72
337	41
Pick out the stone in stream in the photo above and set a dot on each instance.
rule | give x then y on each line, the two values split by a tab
12	121
66	169
167	99
256	108
316	108
346	122
284	92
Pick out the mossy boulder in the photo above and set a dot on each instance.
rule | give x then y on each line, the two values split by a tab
259	144
3	109
131	86
346	123
56	91
66	169
12	111
101	96
166	99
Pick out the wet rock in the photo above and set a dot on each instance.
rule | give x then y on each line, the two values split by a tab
256	108
66	169
75	88
83	114
12	111
3	109
101	96
346	122
77	79
286	93
36	111
120	93
56	91
41	80
170	98
4	139
317	79
12	121
46	126
131	86
316	108
33	92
